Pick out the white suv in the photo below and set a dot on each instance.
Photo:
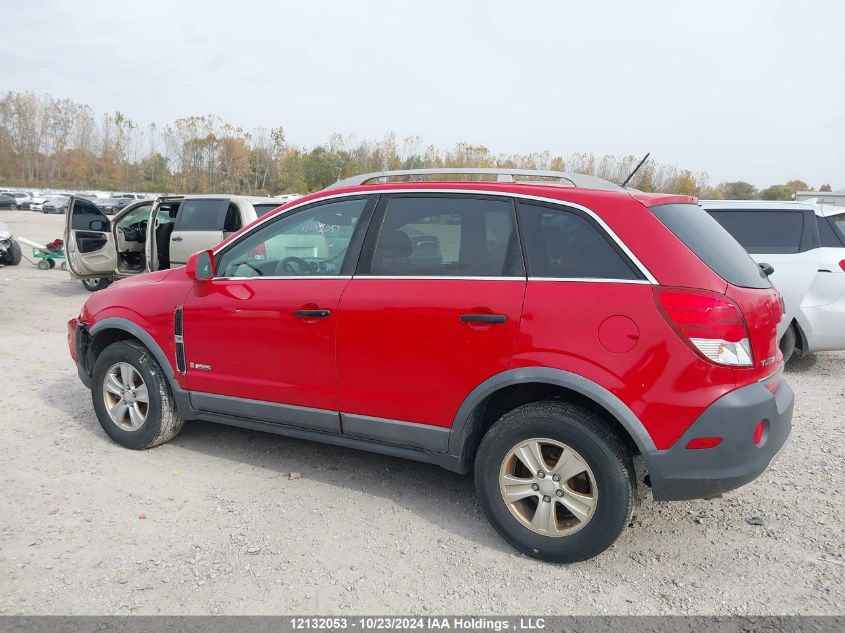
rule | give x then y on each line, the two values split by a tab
805	244
151	235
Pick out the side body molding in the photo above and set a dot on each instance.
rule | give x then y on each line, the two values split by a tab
462	427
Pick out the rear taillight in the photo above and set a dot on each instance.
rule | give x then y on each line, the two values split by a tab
842	265
709	322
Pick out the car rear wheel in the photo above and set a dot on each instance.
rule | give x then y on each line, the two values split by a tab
555	482
132	398
93	285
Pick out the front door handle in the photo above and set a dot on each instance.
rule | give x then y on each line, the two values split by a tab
176	239
312	314
483	318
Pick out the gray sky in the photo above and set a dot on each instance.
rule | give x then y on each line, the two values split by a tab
741	89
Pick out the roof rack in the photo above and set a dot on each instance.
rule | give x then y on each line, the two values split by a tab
565	179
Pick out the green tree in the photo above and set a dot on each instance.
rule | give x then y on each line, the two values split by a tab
738	190
777	192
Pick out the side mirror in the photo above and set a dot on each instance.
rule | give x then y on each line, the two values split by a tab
766	268
98	225
200	266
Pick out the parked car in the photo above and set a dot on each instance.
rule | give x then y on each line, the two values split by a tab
806	249
154	235
561	331
36	202
10	250
110	206
56	204
7	201
21	198
131	196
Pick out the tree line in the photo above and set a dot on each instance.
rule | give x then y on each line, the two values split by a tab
49	142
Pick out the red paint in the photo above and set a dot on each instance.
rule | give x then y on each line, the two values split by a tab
397	349
404	354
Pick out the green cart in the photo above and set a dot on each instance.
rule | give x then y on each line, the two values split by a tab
48	257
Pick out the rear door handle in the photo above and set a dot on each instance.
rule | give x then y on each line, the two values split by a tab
483	318
312	314
176	239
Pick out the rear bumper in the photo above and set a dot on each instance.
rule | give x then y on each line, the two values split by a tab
682	473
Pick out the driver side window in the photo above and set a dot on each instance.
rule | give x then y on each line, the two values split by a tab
311	242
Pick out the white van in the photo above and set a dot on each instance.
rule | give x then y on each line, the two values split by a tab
805	244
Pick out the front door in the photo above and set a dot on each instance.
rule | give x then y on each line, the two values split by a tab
90	247
260	337
432	312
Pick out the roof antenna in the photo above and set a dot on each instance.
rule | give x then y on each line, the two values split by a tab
636	169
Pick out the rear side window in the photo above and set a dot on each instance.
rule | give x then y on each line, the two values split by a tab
828	233
567	245
705	237
201	215
264	209
773	232
838	222
448	236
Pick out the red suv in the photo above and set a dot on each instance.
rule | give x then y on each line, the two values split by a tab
539	333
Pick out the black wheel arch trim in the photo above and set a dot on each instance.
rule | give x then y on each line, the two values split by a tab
181	396
464	421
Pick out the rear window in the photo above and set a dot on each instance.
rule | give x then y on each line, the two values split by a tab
201	215
264	209
713	244
837	222
773	232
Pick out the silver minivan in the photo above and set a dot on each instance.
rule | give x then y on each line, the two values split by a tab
151	235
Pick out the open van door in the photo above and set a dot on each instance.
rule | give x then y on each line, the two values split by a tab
90	247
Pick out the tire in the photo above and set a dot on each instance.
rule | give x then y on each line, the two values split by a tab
609	476
161	421
51	263
43	264
787	343
13	255
99	283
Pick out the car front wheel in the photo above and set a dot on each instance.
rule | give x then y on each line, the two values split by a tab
555	482
132	397
93	285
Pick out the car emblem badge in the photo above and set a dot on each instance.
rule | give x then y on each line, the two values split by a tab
201	366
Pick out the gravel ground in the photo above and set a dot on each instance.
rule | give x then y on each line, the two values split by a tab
212	523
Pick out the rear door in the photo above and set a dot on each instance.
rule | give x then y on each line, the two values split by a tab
90	245
785	238
432	312
199	226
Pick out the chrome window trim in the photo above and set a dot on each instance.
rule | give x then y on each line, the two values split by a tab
277	277
502	194
595	280
440	277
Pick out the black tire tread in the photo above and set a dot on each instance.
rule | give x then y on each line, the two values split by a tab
607	440
170	422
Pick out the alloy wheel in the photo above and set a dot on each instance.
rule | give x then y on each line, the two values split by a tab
126	397
548	487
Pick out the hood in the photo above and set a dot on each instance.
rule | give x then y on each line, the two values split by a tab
144	278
